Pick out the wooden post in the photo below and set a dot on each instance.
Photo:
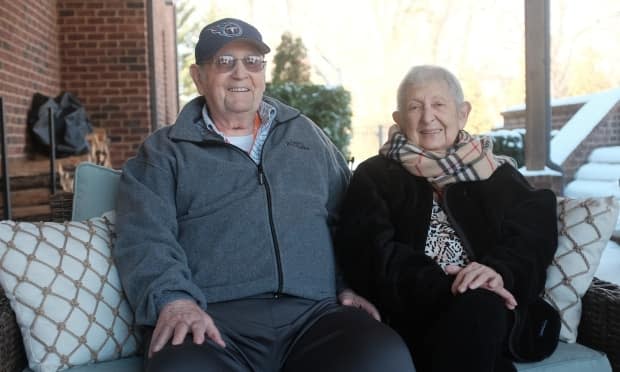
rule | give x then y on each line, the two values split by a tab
6	195
52	133
537	86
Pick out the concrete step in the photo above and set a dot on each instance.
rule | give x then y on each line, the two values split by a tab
599	177
607	154
598	171
584	188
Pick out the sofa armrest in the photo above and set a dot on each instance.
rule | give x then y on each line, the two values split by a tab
12	355
600	320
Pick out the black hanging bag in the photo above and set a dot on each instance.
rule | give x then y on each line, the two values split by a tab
71	124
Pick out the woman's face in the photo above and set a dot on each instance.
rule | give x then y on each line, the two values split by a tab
431	118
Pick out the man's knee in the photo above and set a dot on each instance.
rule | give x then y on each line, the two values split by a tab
384	350
371	345
189	357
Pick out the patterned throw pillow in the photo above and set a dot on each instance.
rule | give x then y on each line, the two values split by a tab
584	227
64	288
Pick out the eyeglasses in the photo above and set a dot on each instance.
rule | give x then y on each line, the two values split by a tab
227	63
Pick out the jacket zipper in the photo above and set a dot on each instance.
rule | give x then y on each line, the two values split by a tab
455	225
276	247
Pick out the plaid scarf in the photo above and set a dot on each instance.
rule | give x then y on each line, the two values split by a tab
469	159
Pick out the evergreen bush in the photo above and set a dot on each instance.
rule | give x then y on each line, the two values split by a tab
328	107
510	143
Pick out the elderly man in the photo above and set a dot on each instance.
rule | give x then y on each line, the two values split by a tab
224	231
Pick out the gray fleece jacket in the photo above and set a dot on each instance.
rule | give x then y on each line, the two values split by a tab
198	219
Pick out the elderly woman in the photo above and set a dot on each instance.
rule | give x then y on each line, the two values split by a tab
447	239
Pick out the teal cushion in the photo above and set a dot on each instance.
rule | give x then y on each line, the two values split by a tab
133	364
94	190
570	358
566	358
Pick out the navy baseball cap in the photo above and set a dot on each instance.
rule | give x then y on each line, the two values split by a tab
219	33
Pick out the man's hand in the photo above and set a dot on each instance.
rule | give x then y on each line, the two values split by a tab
349	298
476	275
177	319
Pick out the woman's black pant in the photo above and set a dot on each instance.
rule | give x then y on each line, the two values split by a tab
288	334
468	334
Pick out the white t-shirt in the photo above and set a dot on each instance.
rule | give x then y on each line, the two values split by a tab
242	142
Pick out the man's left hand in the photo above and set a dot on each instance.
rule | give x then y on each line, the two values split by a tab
349	298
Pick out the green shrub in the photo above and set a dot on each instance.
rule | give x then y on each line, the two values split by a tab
510	143
328	107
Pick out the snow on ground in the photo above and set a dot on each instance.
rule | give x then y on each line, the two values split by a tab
609	268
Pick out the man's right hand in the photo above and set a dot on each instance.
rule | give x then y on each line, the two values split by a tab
177	319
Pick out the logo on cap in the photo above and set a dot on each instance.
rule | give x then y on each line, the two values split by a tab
228	29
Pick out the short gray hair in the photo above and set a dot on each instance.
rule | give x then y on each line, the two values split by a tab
426	73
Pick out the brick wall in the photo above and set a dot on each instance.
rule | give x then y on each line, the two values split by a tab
99	51
29	63
559	116
103	60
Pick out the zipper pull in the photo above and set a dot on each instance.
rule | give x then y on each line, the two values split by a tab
261	176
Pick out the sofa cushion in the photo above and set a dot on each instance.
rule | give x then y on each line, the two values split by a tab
94	190
566	358
569	357
584	227
66	293
131	364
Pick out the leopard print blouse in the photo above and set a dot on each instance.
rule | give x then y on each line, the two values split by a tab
442	243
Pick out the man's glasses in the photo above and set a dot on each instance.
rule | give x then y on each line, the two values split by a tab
227	63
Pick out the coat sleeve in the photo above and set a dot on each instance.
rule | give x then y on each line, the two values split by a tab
152	265
377	262
337	178
517	230
526	244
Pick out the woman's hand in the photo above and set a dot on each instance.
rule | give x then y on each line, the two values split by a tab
349	298
476	275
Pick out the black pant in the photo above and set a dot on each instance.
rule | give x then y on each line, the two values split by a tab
467	335
288	334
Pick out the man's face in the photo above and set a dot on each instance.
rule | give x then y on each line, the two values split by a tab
229	93
431	117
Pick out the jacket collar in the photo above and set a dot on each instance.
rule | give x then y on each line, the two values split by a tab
187	124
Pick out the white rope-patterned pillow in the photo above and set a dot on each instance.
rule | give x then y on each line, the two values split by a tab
584	227
64	288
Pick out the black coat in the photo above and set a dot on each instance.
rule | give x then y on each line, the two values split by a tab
502	221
